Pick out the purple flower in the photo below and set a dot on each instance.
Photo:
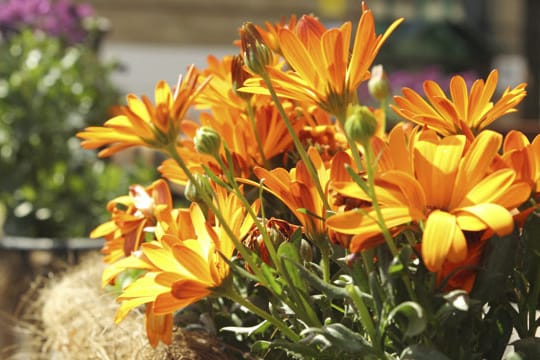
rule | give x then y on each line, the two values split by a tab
57	18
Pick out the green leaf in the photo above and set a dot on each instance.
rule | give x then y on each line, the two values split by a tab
296	350
269	274
458	299
528	347
289	256
248	330
331	291
337	337
409	315
497	264
422	352
496	333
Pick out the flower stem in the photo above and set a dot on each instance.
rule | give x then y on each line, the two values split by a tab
365	316
298	145
171	151
251	116
285	330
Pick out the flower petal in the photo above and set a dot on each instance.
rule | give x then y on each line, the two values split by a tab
440	232
493	216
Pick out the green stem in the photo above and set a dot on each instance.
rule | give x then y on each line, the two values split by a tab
251	116
305	312
260	224
370	170
365	316
239	299
171	151
298	145
380	219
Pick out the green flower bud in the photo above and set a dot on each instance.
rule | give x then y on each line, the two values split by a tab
306	250
361	124
196	192
378	84
256	54
207	141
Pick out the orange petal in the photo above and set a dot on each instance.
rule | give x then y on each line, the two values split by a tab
459	93
440	232
354	222
297	56
493	216
131	262
490	189
158	327
475	163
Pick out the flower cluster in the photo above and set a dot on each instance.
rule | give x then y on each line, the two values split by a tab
59	18
355	241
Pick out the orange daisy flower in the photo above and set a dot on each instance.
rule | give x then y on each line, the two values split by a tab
183	264
131	215
296	189
465	112
270	34
452	189
323	72
524	156
142	123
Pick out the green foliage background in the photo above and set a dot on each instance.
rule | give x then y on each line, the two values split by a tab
48	91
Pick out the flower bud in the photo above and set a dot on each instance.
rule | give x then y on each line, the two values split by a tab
238	76
361	124
197	192
207	141
378	84
306	250
256	54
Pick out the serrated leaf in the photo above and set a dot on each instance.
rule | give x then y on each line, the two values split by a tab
339	337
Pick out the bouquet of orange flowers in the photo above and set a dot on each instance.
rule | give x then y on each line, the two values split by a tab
312	230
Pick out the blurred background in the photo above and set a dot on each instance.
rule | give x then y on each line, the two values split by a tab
65	64
452	35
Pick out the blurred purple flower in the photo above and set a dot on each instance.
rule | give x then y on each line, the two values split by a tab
414	79
57	18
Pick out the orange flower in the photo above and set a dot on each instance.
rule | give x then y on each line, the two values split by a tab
523	156
131	215
142	123
220	91
270	35
183	265
323	72
296	189
237	132
451	189
464	113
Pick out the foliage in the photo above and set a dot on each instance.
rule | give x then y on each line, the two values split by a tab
48	90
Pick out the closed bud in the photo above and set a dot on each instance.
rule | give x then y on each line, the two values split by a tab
256	54
361	124
238	76
207	141
199	189
378	84
306	250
